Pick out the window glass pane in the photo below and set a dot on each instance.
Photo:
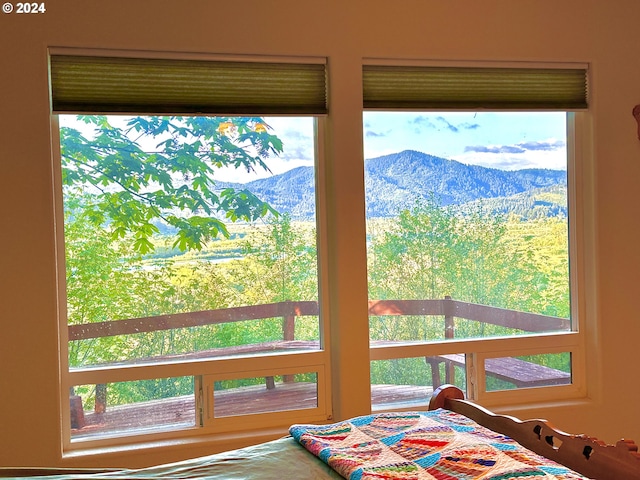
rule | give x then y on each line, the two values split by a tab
467	224
506	373
141	406
188	237
263	395
407	382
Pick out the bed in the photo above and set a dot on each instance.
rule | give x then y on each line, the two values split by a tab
454	439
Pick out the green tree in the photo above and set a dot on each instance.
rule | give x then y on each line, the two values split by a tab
121	181
279	264
125	182
429	252
162	169
544	243
282	262
106	282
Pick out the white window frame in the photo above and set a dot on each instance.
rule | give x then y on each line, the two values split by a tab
578	341
582	309
205	372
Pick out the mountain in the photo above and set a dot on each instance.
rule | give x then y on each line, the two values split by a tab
291	192
396	181
412	175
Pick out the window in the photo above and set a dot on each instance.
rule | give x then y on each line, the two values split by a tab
468	229
190	246
192	252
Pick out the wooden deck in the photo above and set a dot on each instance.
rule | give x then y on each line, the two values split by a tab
179	412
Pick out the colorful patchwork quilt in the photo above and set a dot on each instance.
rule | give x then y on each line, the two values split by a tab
438	444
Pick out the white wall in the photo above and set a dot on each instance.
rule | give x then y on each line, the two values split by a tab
602	33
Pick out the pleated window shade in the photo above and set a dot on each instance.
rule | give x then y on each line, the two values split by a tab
85	84
432	88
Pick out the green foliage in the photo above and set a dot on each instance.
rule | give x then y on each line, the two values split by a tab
279	264
125	181
106	280
394	372
156	169
427	252
283	260
430	252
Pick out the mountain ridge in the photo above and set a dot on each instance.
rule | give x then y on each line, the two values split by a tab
396	181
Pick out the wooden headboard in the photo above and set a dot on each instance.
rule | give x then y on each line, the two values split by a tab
586	455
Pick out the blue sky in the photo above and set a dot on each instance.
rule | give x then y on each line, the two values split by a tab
505	140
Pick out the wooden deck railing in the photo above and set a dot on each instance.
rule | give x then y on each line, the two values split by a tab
287	310
290	310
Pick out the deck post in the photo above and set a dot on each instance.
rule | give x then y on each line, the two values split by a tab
101	398
449	333
289	327
77	412
288	334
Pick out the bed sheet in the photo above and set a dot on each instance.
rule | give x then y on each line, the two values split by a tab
276	460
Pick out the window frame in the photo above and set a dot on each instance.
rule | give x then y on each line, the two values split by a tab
580	235
332	303
317	361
